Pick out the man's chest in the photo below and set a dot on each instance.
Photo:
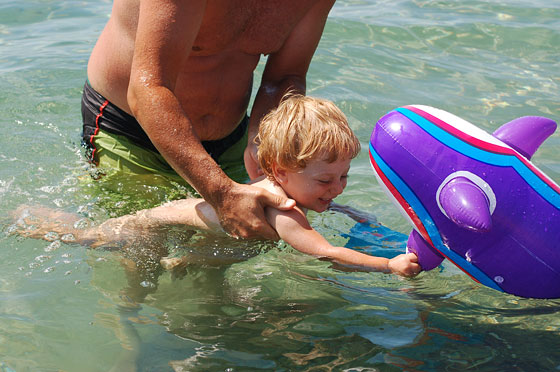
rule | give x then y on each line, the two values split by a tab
250	26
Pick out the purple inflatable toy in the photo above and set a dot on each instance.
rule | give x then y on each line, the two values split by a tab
472	197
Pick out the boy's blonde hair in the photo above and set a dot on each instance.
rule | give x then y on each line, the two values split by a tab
302	129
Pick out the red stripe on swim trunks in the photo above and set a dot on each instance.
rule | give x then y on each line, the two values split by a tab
97	128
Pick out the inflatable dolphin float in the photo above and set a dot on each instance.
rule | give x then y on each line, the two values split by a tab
473	198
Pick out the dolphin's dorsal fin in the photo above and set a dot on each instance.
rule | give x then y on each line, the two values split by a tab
526	134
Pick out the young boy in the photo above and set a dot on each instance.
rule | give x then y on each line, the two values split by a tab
304	148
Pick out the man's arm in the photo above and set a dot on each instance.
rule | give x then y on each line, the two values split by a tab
285	71
164	39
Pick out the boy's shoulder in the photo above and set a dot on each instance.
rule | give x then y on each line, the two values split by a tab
273	187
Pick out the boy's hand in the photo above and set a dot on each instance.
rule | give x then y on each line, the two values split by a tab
405	265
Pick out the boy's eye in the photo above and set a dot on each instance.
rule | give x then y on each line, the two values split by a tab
326	182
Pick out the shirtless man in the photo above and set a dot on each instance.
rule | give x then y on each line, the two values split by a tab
182	71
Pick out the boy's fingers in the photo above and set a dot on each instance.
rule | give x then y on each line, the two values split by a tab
416	269
412	257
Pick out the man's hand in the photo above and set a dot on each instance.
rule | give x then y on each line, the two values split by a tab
241	211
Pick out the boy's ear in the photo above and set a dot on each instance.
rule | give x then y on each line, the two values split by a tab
279	173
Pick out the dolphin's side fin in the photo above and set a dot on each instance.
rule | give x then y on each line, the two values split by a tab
466	204
526	134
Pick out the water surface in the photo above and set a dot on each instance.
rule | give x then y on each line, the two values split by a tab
63	307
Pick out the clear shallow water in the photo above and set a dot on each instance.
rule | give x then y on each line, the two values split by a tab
63	307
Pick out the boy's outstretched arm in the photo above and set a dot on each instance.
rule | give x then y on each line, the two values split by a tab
293	227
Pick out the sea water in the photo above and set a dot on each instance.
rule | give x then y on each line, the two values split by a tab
66	308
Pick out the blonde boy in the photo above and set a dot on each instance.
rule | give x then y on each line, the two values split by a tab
304	148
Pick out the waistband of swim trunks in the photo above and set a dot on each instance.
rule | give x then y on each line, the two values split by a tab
99	113
113	119
218	147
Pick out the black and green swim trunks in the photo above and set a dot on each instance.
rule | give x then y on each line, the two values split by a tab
115	140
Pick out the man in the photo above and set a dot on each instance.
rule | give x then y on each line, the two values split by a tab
172	80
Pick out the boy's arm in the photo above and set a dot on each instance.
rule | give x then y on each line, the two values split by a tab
292	226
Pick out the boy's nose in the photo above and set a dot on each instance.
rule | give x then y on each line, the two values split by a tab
338	188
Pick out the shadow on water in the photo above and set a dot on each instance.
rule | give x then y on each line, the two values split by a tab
479	330
308	323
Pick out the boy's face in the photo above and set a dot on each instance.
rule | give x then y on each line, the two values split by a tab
315	186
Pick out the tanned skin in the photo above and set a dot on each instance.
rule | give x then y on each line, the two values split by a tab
184	70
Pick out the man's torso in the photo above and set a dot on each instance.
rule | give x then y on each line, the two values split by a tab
215	84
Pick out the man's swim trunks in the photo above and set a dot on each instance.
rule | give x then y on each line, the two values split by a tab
115	139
